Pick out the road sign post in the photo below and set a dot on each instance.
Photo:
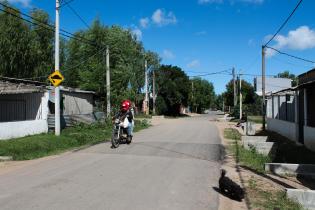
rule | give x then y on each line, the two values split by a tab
57	90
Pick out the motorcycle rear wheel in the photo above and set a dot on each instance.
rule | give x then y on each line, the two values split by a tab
115	140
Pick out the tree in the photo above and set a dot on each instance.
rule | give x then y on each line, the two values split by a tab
15	46
173	89
202	95
286	74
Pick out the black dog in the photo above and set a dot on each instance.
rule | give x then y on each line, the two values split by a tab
230	188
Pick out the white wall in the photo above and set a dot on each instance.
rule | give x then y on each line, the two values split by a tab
10	130
309	137
284	128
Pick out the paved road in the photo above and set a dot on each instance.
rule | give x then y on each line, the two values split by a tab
173	165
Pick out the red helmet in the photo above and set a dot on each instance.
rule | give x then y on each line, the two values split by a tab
125	105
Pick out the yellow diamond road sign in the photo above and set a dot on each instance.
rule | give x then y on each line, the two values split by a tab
56	78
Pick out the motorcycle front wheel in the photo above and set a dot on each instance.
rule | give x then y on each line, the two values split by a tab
115	140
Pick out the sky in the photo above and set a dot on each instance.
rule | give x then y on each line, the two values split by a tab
204	36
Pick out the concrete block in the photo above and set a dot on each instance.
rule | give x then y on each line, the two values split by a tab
291	169
250	128
305	197
255	138
266	148
6	158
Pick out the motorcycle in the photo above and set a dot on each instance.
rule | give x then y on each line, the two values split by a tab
120	134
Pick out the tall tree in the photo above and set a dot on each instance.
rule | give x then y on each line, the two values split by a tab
202	95
15	46
173	89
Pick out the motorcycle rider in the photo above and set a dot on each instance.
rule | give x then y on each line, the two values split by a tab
126	111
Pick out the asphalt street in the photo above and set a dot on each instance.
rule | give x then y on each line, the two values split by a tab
173	165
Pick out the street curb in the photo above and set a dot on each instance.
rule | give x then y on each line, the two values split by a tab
291	169
305	197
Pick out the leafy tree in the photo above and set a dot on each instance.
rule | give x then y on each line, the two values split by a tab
15	46
202	95
173	89
286	74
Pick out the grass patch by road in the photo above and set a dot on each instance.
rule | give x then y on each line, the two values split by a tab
267	199
249	158
41	145
260	197
255	119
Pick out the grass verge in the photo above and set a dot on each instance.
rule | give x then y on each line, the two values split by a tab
255	119
266	199
249	158
32	147
259	196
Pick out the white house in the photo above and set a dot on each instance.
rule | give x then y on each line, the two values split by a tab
23	110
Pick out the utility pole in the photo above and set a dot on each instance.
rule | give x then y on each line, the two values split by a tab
107	83
57	89
234	87
154	97
241	97
146	88
192	95
223	106
263	80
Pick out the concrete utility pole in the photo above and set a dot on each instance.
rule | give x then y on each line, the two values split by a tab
234	86
154	96
57	89
241	97
263	80
108	109
146	87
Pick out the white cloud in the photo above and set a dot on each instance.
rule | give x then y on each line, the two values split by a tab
193	64
144	22
301	38
167	54
232	2
161	18
24	3
137	32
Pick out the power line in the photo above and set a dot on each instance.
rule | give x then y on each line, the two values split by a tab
45	25
77	14
213	73
65	3
292	56
285	22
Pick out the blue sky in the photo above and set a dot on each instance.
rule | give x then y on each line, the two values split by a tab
205	35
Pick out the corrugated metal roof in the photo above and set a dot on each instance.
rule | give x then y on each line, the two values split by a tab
19	88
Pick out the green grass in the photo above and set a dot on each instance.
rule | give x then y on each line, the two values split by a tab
249	158
259	198
232	133
255	119
270	200
41	145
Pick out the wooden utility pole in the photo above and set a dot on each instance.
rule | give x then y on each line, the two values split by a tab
108	109
263	80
